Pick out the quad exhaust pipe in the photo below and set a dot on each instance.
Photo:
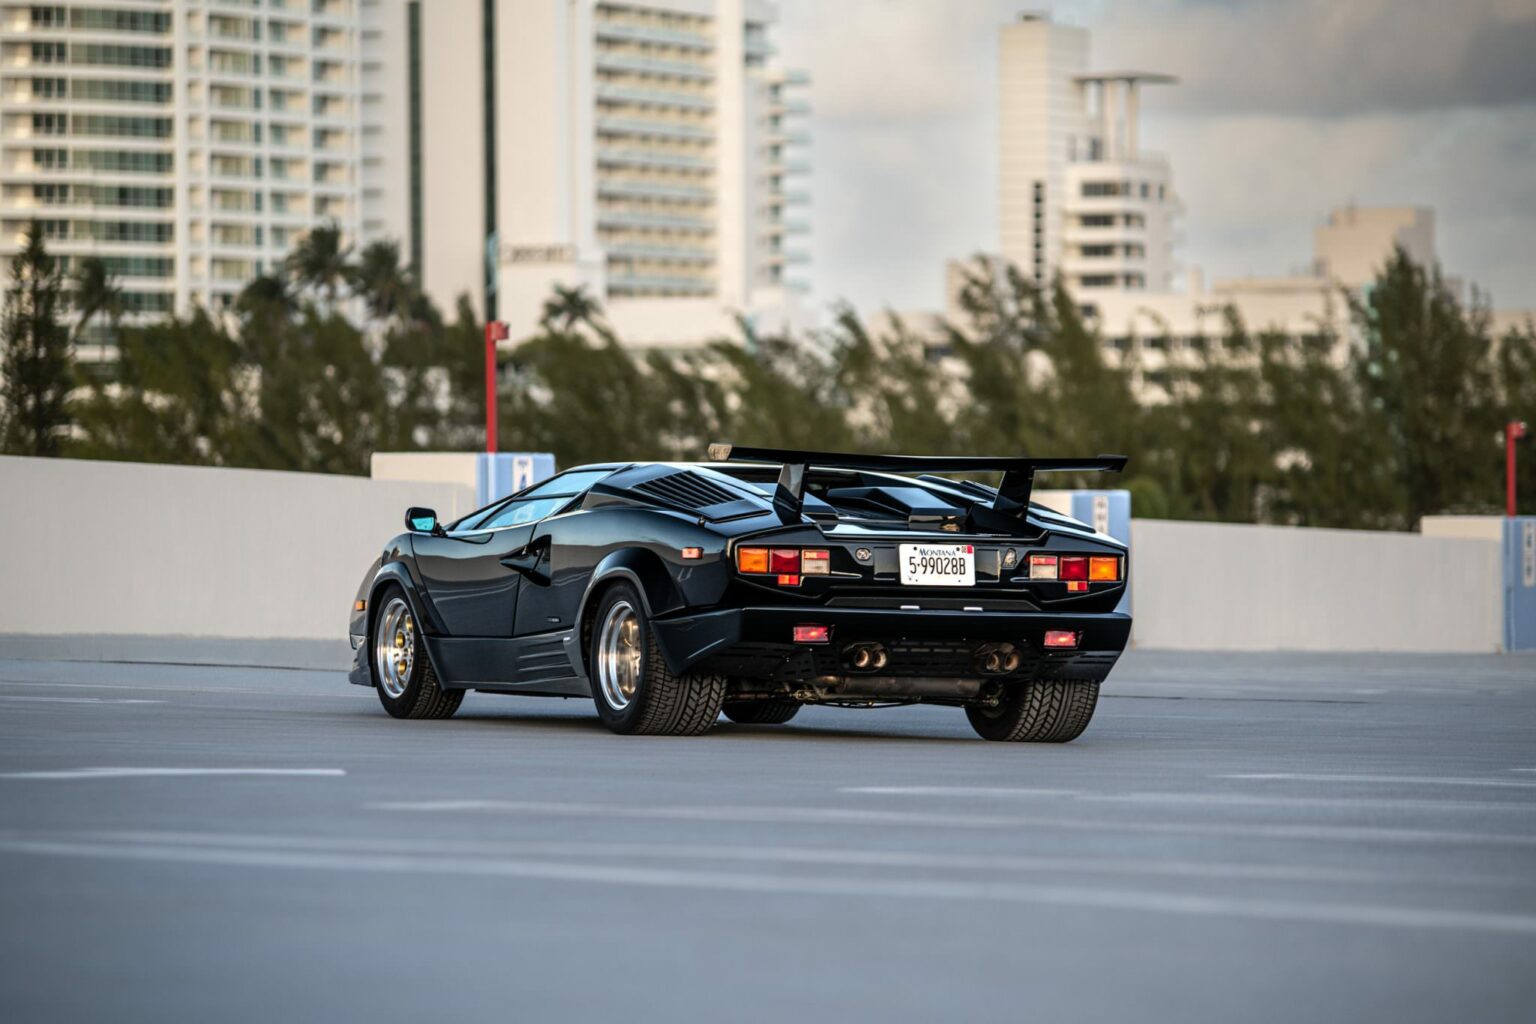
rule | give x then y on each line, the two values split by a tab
998	659
866	657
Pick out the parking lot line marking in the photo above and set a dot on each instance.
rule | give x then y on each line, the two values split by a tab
1218	799
77	700
918	819
840	856
1415	780
158	773
1078	897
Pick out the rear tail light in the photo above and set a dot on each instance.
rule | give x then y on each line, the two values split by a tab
1060	638
1074	567
1104	568
753	560
788	564
1042	567
812	634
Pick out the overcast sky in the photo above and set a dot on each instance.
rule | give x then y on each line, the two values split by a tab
1285	109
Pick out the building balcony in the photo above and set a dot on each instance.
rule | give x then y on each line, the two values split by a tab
656	221
631	33
609	61
630	189
674	98
660	253
653	129
652	158
665	284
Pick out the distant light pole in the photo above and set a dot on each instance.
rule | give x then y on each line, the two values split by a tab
494	331
1514	430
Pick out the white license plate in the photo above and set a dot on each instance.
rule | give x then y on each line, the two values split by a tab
938	565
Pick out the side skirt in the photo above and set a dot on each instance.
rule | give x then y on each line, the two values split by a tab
536	665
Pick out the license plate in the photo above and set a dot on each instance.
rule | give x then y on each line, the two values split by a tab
938	565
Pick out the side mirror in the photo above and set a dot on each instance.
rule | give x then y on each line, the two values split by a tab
422	520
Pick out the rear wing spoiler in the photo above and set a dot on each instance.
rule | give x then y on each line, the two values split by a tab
1012	494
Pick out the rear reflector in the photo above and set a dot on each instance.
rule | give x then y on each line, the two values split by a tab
752	559
1074	568
812	634
788	579
1042	567
815	562
1105	568
784	560
1060	638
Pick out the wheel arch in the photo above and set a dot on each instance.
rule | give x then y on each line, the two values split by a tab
398	574
641	568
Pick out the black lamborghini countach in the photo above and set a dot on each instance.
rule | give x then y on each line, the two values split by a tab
754	584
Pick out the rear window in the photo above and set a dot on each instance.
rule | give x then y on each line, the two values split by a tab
566	483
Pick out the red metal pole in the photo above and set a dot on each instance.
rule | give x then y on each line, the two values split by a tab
494	331
1514	430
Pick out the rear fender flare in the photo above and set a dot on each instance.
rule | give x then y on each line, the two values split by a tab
646	572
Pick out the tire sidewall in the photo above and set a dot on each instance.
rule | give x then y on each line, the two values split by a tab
397	707
628	719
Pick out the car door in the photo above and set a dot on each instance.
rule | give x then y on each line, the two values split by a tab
468	580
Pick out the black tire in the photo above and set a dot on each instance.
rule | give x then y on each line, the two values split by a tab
1038	712
761	712
662	703
423	695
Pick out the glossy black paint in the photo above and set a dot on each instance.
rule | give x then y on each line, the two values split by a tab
507	609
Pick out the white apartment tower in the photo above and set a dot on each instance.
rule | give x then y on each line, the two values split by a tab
189	143
649	151
1079	196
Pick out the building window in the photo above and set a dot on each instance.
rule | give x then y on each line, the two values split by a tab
1098	251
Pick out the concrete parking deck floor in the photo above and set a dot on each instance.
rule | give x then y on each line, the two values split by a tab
1257	837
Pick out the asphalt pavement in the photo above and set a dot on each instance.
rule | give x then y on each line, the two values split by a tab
1236	837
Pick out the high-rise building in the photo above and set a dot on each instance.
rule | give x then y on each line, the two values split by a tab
1079	196
650	152
189	143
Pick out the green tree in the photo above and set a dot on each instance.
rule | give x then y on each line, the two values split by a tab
95	293
384	285
321	262
1426	376
569	308
37	366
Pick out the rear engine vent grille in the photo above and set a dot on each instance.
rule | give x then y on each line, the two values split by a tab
687	490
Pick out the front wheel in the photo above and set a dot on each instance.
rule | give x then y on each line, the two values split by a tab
635	692
1037	712
402	673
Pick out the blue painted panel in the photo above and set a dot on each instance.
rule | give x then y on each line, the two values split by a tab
504	473
1520	583
1108	512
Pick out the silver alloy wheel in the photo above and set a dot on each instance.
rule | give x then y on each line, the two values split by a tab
394	647
619	656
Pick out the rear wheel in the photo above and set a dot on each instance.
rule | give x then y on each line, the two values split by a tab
1037	712
635	692
402	673
761	712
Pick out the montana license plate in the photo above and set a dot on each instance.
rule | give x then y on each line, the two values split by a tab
938	565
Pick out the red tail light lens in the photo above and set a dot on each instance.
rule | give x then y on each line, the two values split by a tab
1060	638
1074	568
783	560
1104	568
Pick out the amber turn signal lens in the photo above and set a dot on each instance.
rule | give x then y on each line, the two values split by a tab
752	559
1107	568
358	606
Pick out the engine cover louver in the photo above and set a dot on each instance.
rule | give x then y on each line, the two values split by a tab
687	490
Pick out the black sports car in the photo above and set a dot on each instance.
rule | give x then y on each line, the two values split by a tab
754	584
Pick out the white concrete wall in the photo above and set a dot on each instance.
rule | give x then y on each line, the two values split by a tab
1211	586
126	548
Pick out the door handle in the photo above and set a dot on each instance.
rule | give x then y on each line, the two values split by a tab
525	561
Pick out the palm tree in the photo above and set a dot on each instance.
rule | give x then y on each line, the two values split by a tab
95	293
266	294
383	283
320	261
568	307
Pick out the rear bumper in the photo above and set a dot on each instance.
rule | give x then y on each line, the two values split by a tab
721	638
